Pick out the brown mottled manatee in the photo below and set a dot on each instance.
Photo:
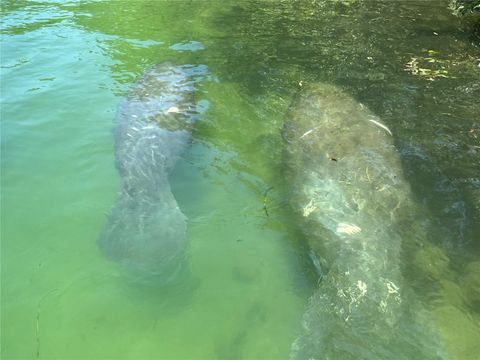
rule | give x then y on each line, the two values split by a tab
353	204
145	231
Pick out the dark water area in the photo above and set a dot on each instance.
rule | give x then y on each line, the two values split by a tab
66	65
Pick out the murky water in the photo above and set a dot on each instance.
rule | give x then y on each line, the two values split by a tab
65	65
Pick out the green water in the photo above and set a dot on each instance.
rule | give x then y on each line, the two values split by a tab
66	64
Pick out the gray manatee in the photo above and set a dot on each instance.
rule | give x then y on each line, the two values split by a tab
145	231
352	200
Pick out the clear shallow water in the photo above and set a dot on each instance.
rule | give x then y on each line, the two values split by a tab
65	66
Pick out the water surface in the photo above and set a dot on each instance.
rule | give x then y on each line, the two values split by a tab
65	66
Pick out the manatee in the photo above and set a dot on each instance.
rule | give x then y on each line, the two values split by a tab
146	230
352	201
